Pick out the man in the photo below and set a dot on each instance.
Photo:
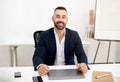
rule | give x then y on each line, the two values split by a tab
58	45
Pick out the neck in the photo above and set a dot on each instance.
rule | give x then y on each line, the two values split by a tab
60	33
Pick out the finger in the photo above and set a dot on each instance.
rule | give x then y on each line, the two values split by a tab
78	65
45	71
47	68
82	66
42	71
83	69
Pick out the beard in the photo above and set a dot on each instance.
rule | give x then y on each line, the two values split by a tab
60	25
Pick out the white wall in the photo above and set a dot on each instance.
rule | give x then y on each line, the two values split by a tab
18	15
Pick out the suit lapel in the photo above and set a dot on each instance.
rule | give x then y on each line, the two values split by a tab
67	44
53	43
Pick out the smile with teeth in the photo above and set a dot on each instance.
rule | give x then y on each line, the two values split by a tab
60	23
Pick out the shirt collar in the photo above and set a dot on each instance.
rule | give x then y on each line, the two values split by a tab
57	34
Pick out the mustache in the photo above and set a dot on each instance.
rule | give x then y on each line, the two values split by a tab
60	22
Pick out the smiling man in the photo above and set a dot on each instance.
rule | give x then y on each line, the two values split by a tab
58	45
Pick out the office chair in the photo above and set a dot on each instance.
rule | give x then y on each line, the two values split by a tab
36	36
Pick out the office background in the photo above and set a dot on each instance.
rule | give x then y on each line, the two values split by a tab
38	17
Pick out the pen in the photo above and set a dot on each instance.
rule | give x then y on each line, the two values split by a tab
101	76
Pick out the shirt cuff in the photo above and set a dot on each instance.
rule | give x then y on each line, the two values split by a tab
39	66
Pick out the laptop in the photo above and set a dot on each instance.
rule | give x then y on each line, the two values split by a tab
61	74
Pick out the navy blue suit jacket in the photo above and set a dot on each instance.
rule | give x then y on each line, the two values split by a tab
45	52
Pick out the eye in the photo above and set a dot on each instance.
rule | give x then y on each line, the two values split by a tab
57	16
64	17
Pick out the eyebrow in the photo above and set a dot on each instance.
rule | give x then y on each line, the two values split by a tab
60	15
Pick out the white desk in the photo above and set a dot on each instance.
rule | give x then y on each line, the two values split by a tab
7	73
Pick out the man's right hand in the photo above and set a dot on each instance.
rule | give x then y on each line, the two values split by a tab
43	69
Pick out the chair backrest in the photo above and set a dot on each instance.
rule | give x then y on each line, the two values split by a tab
36	36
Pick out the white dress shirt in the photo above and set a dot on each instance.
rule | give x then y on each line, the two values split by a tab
60	59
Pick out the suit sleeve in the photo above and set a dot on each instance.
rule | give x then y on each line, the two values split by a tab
79	51
39	53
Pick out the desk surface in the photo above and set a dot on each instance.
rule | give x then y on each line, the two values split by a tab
7	73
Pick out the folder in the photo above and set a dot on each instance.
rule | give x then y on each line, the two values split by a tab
101	76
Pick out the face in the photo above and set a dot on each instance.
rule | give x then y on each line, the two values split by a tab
60	19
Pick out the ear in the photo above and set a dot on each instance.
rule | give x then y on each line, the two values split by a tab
52	18
67	19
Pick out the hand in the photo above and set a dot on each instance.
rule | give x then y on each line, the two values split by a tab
43	69
82	67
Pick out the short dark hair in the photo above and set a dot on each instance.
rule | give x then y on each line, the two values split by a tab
60	8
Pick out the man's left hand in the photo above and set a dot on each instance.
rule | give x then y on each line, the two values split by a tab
82	67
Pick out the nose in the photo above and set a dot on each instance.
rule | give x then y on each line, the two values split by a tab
61	19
